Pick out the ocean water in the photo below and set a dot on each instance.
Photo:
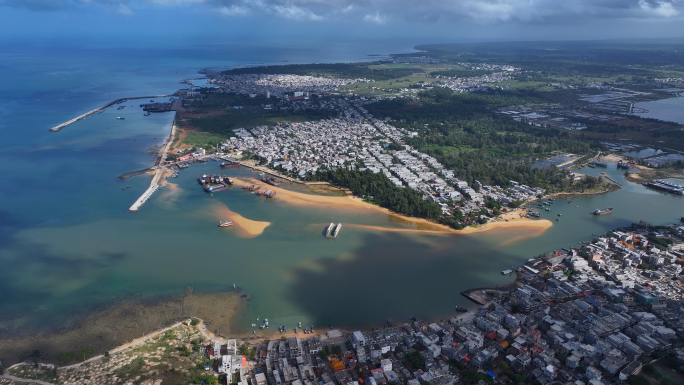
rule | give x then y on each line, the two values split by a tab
69	246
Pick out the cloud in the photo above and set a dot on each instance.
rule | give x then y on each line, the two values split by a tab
124	10
375	18
483	12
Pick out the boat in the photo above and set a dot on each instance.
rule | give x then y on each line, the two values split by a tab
591	165
625	165
602	212
412	318
461	309
270	180
229	164
270	194
681	219
333	230
214	187
126	187
506	272
661	185
226	223
147	114
533	214
120	118
601	164
560	215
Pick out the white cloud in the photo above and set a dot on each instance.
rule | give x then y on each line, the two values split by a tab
294	12
485	12
124	10
375	18
659	9
233	10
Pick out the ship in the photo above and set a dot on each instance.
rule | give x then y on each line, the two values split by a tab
601	164
226	223
602	212
461	309
270	180
333	230
506	272
625	165
229	164
661	185
147	114
270	194
120	118
533	214
210	188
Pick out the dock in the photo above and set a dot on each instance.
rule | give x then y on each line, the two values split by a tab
271	172
145	196
100	109
158	174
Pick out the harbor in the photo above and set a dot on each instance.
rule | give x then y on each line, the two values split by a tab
101	109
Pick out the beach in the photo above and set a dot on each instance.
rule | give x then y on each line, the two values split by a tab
515	217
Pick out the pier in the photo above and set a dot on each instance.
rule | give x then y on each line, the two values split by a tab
146	195
158	174
272	173
100	109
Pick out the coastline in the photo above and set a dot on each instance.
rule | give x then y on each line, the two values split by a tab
515	220
122	324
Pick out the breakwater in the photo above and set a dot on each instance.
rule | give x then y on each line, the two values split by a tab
102	108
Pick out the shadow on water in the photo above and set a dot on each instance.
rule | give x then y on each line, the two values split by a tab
420	276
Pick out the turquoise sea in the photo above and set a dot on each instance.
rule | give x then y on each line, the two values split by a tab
69	246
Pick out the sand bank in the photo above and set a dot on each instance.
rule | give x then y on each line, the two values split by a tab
355	203
247	228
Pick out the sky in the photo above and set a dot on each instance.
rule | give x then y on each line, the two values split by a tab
428	21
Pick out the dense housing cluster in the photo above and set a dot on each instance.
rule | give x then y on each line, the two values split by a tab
587	315
356	140
278	85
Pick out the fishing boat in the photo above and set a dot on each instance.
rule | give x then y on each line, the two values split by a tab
270	180
226	223
461	309
229	164
329	230
602	212
506	272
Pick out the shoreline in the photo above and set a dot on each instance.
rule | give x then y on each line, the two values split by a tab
124	322
515	219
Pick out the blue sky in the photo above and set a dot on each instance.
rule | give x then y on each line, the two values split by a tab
418	20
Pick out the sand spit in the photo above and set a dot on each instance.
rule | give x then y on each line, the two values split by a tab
515	218
247	228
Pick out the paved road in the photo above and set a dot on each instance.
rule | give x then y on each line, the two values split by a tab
12	378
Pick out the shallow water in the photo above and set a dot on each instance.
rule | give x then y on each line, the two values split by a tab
68	245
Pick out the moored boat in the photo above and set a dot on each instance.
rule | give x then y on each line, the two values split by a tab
333	230
506	272
214	187
226	223
229	164
270	180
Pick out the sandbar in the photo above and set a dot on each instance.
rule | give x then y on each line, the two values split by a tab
515	218
247	228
